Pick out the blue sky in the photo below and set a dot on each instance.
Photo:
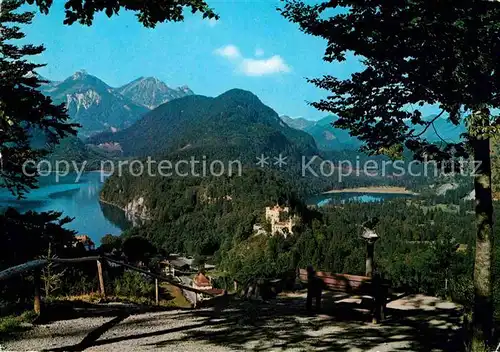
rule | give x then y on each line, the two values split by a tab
251	47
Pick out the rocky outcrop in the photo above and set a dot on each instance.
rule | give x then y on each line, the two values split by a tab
136	211
441	190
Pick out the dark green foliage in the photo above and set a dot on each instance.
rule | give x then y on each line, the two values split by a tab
110	243
138	248
214	211
406	68
417	249
134	284
75	152
149	13
22	106
27	236
417	53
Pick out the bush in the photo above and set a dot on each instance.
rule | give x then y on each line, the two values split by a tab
462	290
12	323
133	284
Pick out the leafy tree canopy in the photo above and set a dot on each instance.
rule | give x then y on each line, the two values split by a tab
417	53
149	13
414	53
23	108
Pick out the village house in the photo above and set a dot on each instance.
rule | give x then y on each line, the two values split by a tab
175	263
204	283
86	241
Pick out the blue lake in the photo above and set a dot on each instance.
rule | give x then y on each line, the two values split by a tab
346	197
78	200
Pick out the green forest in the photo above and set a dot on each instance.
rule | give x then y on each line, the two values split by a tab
426	243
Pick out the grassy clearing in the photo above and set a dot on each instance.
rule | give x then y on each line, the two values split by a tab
170	296
177	299
11	324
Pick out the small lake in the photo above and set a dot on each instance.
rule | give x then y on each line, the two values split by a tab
346	197
78	200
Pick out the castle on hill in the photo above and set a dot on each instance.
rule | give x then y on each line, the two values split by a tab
281	220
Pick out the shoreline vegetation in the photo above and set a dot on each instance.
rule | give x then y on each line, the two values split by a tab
374	190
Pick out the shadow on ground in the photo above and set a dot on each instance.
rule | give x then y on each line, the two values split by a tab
66	310
284	324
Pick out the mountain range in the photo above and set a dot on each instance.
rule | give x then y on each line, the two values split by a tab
138	110
329	138
298	123
99	107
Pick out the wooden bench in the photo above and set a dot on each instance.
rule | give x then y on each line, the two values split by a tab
350	284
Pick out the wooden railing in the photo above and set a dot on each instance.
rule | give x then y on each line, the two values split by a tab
37	265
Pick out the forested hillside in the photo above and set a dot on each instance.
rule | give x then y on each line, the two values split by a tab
236	121
422	240
200	215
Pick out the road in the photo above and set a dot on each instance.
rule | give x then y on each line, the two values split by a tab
190	296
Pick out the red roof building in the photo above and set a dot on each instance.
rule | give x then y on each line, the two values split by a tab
201	282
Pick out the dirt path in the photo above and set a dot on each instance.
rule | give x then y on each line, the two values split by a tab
416	323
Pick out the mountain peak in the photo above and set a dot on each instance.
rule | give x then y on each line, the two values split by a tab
93	104
80	74
237	93
152	92
148	80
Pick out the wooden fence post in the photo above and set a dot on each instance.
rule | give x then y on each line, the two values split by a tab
156	292
37	304
101	278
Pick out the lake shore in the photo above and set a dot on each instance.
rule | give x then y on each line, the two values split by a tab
374	190
112	204
128	214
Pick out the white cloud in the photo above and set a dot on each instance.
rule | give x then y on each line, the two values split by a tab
229	52
253	67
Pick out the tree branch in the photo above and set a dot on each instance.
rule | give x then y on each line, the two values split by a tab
437	134
427	126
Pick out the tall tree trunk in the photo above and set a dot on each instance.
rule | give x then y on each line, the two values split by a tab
483	306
